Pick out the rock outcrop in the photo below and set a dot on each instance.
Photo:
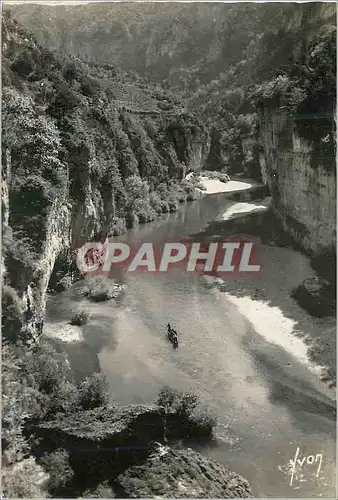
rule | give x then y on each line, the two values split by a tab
122	445
69	162
302	181
317	296
181	474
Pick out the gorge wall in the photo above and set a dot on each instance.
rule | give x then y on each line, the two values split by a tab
87	152
302	181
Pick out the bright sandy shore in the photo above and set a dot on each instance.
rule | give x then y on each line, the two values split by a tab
245	208
213	186
264	299
65	333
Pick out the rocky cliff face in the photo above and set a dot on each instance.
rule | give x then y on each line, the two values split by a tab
181	474
302	181
142	467
150	39
85	149
296	114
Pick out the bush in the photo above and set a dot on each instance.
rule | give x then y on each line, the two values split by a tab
136	188
158	204
119	227
221	176
48	374
47	369
190	190
103	490
64	400
80	318
173	204
57	466
181	195
63	284
93	392
194	418
19	401
131	220
11	313
100	288
144	211
24	479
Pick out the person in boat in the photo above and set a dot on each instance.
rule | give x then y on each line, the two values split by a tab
171	330
172	334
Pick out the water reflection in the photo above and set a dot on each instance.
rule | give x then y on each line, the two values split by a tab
266	400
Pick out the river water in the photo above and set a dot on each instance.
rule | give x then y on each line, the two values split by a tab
267	399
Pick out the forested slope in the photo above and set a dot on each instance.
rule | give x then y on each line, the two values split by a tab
213	54
87	151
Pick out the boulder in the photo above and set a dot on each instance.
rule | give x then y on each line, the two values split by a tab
121	445
316	296
181	474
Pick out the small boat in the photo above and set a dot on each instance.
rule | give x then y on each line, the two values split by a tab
172	336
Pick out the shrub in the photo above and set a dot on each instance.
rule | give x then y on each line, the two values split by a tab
221	176
173	204
190	191
131	220
136	188
49	375
20	258
63	284
80	318
119	227
165	207
194	418
100	288
158	204
63	400
24	479
11	313
46	368
181	194
144	211
19	401
103	490
93	392
57	466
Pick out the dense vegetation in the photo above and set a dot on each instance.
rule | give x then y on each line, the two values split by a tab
290	51
76	134
228	60
38	391
80	132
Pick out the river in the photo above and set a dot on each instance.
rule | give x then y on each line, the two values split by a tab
238	355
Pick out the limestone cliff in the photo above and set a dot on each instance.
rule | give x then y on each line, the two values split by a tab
142	467
297	127
86	150
302	181
181	474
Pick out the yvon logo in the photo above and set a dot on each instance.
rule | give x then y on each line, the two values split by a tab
225	257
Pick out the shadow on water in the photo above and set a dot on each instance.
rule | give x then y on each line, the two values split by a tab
269	233
288	387
93	336
263	395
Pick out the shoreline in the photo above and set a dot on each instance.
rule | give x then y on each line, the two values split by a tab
266	303
214	186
